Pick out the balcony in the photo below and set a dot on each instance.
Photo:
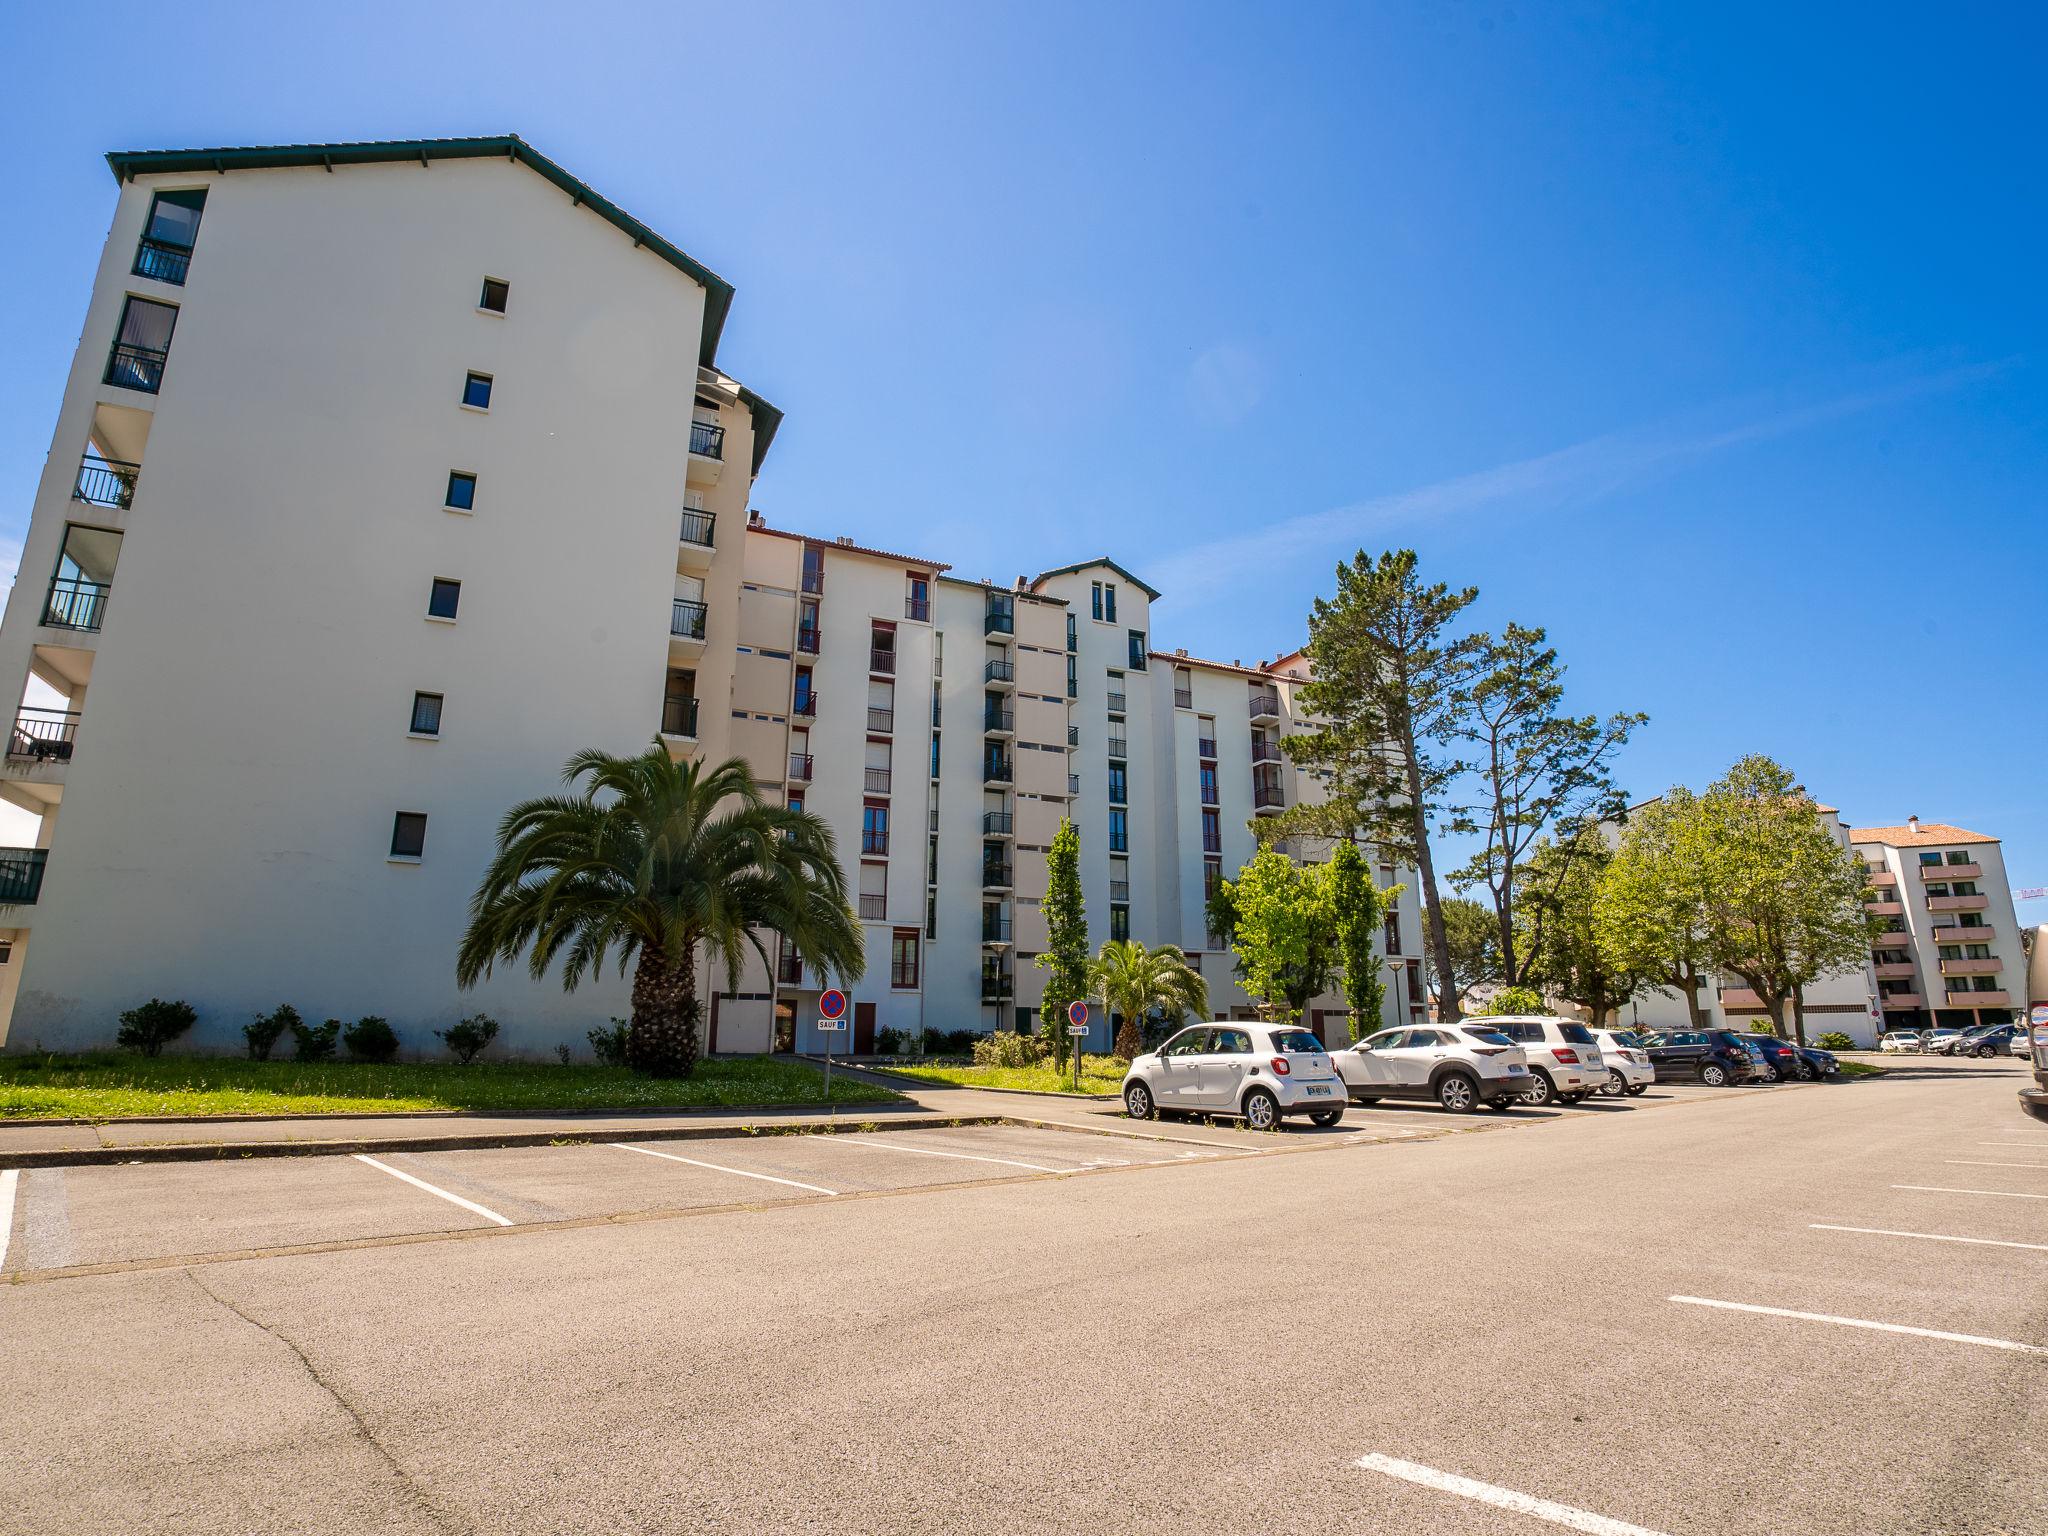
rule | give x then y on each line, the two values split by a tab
105	482
1116	703
1073	784
161	260
875	780
994	623
918	608
873	909
998	722
75	603
994	772
789	969
1073	735
1740	1000
679	717
140	368
1265	751
1119	890
1883	879
997	989
805	707
693	543
1183	698
1892	1001
1886	908
707	440
1267	797
21	875
995	875
1895	970
1975	903
801	765
881	721
882	659
1951	871
1205	747
1118	747
874	844
1988	965
996	824
42	736
686	619
1892	938
1003	674
1979	999
1265	706
995	930
807	642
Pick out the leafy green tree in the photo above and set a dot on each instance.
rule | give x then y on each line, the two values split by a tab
1544	772
1066	951
1784	899
1509	1001
1390	690
1276	917
1134	981
1650	909
1357	909
1562	944
653	858
1475	944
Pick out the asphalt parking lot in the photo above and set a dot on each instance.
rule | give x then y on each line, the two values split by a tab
1755	1310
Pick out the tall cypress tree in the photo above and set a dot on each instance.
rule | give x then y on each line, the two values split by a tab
1066	929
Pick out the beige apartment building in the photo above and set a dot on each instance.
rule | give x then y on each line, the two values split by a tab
1951	955
368	481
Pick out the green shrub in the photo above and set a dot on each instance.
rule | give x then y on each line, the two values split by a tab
1513	1000
1835	1040
267	1029
609	1045
950	1042
890	1042
314	1042
1764	1027
147	1027
370	1039
562	1053
466	1041
1006	1048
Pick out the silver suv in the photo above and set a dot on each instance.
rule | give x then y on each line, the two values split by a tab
1460	1066
1258	1072
1564	1057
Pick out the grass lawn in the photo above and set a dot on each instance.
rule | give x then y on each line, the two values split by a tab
1099	1074
106	1085
1857	1068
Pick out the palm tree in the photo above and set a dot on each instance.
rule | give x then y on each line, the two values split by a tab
1133	981
655	858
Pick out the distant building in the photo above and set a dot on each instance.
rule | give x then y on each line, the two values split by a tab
1952	955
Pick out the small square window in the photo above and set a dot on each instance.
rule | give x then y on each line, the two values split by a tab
426	714
476	391
461	491
408	834
442	601
496	290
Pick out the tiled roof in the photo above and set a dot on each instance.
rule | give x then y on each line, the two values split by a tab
1182	659
838	547
1928	834
1068	570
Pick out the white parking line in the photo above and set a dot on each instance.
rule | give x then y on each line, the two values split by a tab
467	1205
1500	1498
969	1157
8	1180
1859	1322
1943	1189
1972	1162
816	1189
1931	1237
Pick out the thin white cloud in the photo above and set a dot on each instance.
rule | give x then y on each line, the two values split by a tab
1580	473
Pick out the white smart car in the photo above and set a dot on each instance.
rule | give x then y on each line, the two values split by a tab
1627	1062
1260	1073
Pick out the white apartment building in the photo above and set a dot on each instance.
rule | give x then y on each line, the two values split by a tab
1952	954
370	475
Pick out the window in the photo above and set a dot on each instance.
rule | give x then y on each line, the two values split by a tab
1209	791
408	834
1109	602
443	599
903	959
1212	876
1190	1042
931	915
165	250
1095	597
1119	831
426	714
1959	857
1231	1042
1119	789
496	290
1137	648
476	391
814	568
142	345
1925	858
1212	831
1073	636
874	829
1073	677
918	605
935	754
1120	923
461	491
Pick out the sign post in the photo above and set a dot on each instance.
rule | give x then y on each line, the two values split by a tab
831	1019
1077	1031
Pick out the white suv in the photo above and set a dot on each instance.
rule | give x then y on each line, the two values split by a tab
1628	1064
1460	1066
1564	1058
1258	1072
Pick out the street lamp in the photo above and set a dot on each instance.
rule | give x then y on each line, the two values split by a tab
1397	967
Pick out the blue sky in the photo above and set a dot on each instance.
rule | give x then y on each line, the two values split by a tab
1713	342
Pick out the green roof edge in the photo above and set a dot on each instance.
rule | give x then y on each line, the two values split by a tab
1067	570
128	164
766	419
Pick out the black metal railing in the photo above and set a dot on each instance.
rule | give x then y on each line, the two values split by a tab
1265	704
882	721
807	641
21	874
1215	941
707	440
1073	735
1183	698
999	624
1116	703
1118	747
880	660
105	482
697	528
789	968
996	824
995	873
679	717
813	580
165	262
800	766
42	735
75	603
875	781
1265	752
1119	790
1264	795
1119	890
998	720
805	707
1212	842
687	620
874	908
1205	746
995	930
1210	796
136	367
997	989
994	772
919	608
999	672
874	844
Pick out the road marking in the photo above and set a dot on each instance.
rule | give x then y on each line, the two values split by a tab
400	1173
1972	1162
816	1189
1500	1498
1859	1322
1931	1237
970	1157
8	1180
1943	1189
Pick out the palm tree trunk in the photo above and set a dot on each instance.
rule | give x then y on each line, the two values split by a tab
662	1038
1130	1042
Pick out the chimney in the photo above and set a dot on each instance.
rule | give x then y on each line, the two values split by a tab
1912	823
845	541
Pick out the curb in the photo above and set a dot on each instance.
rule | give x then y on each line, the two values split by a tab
927	1085
623	1111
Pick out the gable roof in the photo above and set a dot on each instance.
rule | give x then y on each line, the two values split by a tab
1926	835
128	164
1067	570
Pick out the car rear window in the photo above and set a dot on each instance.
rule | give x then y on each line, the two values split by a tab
1578	1034
1488	1036
1296	1042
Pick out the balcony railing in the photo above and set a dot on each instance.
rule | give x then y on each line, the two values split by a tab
873	908
1118	747
919	608
881	660
1267	795
75	603
999	672
789	968
166	263
995	875
707	440
996	824
1215	941
21	875
1948	872
1972	903
998	721
1979	999
679	717
875	781
136	367
697	527
1073	783
873	844
995	930
1987	965
806	707
1896	938
1210	796
1119	890
1183	698
1073	735
999	623
1119	842
1265	752
42	735
1205	746
807	642
800	766
1890	1000
997	989
1116	703
687	619
993	772
105	482
1212	842
813	580
881	721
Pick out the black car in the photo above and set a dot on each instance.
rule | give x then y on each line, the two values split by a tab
1985	1040
1781	1056
1820	1065
1715	1057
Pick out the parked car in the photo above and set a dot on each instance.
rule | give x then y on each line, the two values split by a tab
1460	1066
1817	1063
1984	1040
1716	1057
1628	1062
1899	1040
1935	1041
1564	1058
1260	1073
1779	1056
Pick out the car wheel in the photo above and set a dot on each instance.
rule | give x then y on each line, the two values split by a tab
1542	1090
1638	1088
1261	1110
1138	1102
1457	1093
1615	1086
1985	1053
1714	1075
1325	1117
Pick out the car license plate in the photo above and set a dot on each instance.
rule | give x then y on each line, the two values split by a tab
1518	1071
1313	1091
